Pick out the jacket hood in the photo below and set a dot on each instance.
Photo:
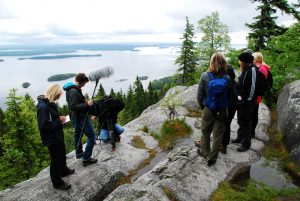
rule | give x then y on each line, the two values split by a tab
68	86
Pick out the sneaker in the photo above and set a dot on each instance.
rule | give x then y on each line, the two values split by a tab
242	148
89	161
63	187
68	172
237	140
210	162
78	156
223	149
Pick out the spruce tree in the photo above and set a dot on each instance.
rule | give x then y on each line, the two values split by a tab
264	27
100	92
23	154
215	38
187	59
139	97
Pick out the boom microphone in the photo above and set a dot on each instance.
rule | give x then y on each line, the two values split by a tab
101	73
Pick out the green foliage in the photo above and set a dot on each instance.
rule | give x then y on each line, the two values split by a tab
187	60
265	28
100	93
253	191
232	57
283	56
159	84
171	131
215	38
23	154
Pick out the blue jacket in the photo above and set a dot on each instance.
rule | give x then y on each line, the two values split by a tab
49	123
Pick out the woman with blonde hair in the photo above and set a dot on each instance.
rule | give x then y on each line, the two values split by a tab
213	113
52	135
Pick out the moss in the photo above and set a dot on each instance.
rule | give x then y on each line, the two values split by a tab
171	131
145	129
169	194
253	191
137	142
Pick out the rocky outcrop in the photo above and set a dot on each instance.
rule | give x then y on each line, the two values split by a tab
181	174
288	110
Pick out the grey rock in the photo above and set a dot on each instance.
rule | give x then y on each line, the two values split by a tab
182	173
288	110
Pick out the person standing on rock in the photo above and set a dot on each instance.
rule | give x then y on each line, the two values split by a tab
52	135
213	119
264	69
232	106
246	100
79	108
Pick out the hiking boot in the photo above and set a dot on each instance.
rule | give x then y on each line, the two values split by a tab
237	140
78	156
242	148
63	187
89	161
223	149
210	162
118	138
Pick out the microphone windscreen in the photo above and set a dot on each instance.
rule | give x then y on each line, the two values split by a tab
101	73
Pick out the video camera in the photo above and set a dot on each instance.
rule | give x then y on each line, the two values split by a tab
108	106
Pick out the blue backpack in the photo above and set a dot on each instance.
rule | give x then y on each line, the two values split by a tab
217	97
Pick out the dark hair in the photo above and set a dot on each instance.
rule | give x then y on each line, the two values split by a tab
81	78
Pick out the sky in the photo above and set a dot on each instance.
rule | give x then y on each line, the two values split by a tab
29	22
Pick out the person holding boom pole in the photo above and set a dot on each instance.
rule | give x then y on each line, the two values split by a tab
79	108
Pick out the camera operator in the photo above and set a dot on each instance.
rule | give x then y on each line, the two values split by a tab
107	114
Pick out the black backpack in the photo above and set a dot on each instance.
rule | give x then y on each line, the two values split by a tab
263	84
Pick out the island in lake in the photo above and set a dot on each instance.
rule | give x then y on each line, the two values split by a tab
60	77
143	77
121	80
26	85
61	56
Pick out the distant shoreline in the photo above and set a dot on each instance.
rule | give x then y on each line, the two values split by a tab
59	56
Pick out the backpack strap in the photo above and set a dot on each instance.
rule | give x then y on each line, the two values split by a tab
211	76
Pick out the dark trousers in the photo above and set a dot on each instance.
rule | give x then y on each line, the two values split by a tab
226	136
58	165
254	119
245	115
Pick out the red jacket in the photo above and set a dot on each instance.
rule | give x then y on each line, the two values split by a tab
264	68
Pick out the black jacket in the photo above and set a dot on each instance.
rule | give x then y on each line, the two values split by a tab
247	84
108	109
49	123
78	106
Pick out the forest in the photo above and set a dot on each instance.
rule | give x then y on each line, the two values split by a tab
21	154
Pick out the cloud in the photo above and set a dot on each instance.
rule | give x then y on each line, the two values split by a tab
114	20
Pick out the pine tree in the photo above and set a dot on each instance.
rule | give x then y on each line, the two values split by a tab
215	38
187	60
23	154
265	27
112	93
100	92
139	97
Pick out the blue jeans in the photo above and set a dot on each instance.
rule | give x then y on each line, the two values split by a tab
104	135
89	132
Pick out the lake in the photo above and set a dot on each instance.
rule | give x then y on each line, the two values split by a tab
151	61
